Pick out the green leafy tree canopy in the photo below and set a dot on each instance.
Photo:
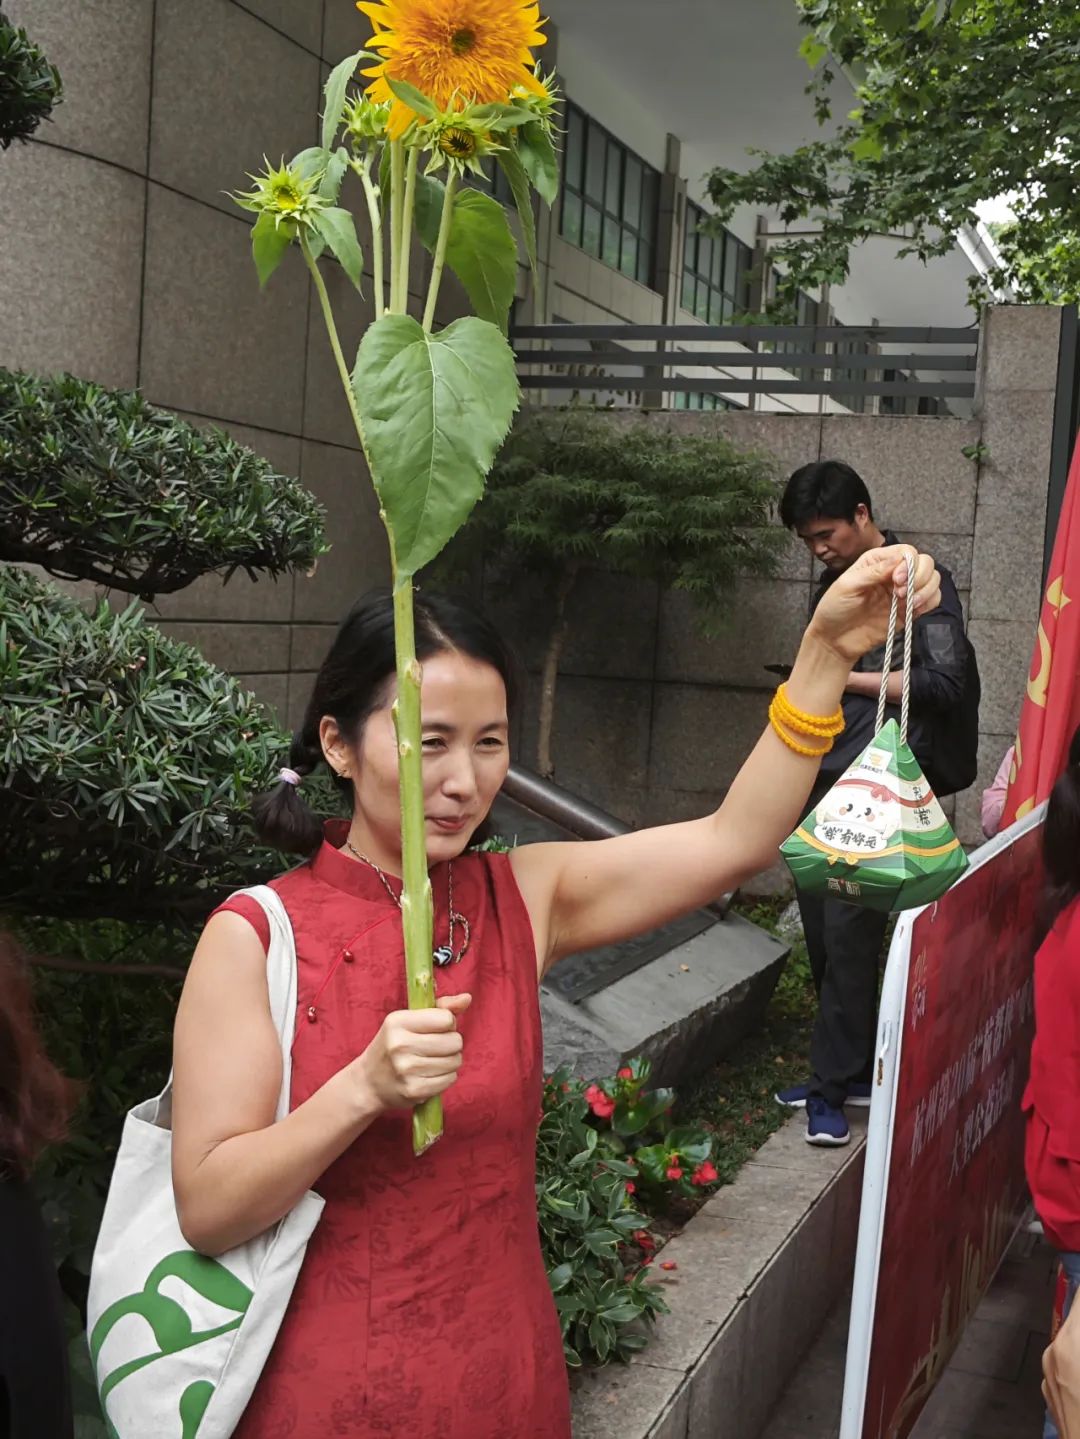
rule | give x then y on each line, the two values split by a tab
577	489
29	86
957	102
97	484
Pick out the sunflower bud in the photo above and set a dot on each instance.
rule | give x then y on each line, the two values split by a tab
364	120
542	102
289	197
458	141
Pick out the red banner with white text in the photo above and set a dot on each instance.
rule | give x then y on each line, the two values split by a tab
955	1189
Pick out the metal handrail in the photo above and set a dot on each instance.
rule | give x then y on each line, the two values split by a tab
576	815
559	806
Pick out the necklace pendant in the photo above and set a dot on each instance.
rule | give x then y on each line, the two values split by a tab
443	956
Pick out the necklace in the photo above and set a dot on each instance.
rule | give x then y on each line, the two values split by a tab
445	953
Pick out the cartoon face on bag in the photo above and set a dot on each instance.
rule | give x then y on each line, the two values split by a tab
856	819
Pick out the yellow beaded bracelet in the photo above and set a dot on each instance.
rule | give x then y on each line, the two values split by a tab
777	722
817	726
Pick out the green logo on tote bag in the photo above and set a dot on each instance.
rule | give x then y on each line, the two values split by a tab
172	1327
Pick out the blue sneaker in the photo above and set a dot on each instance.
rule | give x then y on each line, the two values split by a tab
824	1124
795	1097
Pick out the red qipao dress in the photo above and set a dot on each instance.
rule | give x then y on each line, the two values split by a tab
422	1309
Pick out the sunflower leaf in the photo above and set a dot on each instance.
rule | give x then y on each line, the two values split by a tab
540	160
268	245
310	162
412	389
509	161
411	96
336	165
428	208
334	92
338	229
482	253
502	117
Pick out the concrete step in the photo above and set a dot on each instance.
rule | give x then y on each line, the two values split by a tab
683	1010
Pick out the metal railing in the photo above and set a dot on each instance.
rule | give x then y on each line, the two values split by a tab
573	814
583	355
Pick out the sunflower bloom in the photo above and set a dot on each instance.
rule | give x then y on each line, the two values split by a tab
456	52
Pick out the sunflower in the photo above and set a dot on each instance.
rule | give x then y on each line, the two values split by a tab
456	52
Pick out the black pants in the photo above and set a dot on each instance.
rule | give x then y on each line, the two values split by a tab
844	944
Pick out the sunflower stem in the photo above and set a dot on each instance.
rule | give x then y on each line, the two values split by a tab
374	209
445	226
416	903
335	342
397	201
407	223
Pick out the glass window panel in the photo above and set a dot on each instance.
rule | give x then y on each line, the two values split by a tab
612	237
645	263
716	316
716	274
650	192
631	205
731	265
590	230
574	149
705	254
701	304
690	239
727	310
594	165
571	217
628	260
613	185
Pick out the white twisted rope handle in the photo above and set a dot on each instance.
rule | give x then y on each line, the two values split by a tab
890	639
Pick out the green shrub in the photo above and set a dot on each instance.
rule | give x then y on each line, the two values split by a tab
127	764
97	484
29	86
587	1223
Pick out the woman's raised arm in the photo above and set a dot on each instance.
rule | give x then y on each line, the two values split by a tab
584	895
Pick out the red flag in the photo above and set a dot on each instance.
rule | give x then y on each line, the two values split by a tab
1051	708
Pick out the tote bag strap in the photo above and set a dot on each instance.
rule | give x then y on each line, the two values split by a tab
281	987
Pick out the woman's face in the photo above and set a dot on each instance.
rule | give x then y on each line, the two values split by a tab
465	759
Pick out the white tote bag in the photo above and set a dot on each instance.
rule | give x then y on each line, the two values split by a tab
178	1340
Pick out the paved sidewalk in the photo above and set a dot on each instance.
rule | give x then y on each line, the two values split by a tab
991	1389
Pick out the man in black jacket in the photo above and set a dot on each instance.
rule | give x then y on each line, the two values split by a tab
828	506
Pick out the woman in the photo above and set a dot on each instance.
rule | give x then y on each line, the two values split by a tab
34	1103
1052	1097
422	1308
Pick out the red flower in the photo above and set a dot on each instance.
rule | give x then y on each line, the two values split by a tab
631	1187
625	1073
674	1172
644	1239
704	1174
668	1264
565	1088
599	1103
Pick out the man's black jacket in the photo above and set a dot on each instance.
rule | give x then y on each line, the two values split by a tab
943	723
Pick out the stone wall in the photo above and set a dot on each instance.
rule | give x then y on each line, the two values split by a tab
654	718
123	260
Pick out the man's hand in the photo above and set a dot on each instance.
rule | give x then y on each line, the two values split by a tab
868	684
